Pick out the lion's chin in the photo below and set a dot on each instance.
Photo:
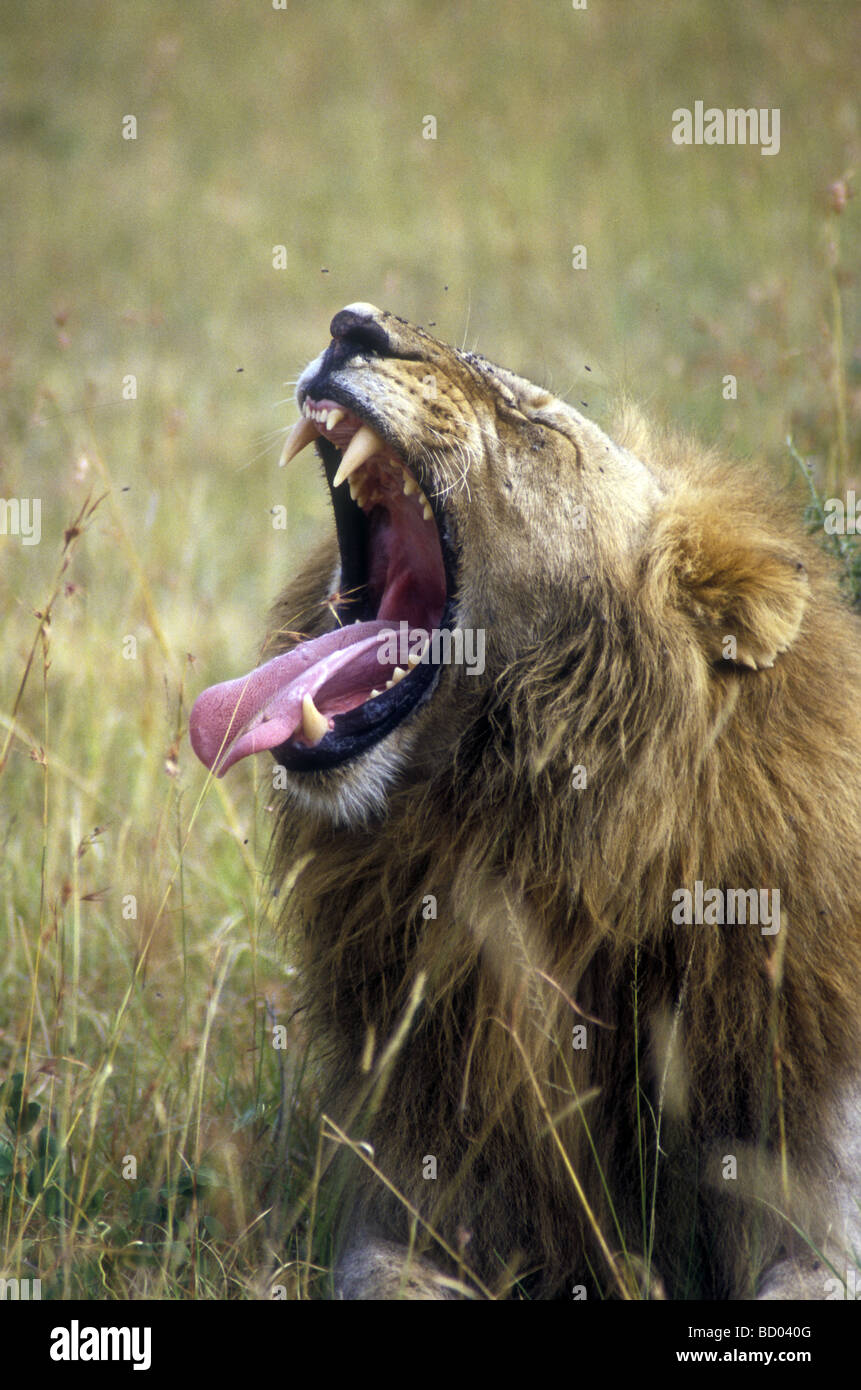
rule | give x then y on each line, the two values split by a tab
353	795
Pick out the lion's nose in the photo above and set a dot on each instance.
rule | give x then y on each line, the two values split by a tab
359	310
362	325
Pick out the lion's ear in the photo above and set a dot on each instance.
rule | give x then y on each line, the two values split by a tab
745	593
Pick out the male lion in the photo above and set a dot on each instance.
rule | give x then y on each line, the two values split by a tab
569	731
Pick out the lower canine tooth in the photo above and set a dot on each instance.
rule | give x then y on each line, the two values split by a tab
298	439
314	724
364	443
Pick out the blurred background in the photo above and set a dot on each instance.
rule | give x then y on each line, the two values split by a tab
150	336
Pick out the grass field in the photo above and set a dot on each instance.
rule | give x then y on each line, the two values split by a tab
148	345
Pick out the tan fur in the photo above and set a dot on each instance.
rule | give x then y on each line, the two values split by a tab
605	650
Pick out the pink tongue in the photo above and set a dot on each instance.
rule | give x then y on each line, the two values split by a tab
263	709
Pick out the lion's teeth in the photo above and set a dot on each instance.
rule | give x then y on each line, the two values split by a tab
374	693
413	660
334	418
398	674
314	724
427	514
365	443
410	485
298	439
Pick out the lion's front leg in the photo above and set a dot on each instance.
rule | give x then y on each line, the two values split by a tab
372	1268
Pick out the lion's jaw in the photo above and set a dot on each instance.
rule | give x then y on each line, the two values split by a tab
476	505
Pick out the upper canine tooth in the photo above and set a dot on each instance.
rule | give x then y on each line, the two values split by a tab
314	724
334	418
298	439
364	443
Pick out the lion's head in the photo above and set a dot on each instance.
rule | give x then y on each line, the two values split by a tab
473	510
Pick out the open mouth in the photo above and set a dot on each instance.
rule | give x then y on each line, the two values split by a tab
330	698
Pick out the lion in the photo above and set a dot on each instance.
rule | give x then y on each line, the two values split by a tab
567	732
